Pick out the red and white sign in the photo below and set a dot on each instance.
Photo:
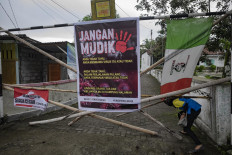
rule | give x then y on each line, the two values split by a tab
30	98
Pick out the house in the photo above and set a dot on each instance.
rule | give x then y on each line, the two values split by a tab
216	58
21	64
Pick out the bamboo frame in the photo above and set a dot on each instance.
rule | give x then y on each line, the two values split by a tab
90	113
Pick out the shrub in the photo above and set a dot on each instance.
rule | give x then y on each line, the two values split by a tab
212	68
200	68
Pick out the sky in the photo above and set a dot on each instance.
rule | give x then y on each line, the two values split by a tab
28	13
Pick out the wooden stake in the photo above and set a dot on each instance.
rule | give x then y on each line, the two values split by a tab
161	124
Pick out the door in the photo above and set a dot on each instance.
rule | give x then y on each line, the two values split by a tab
8	56
53	72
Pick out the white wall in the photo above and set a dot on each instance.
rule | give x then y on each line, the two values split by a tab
215	59
145	61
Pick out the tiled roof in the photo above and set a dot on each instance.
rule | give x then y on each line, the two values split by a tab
207	52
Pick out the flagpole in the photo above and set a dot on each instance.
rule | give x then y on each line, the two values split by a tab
140	18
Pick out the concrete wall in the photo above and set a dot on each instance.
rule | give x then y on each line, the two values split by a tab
215	117
33	66
8	96
30	63
145	61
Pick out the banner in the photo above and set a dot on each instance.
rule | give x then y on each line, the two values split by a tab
30	98
71	60
108	65
185	42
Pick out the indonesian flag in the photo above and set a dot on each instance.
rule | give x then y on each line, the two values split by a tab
185	41
31	98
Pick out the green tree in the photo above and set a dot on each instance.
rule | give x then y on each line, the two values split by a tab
154	47
89	17
220	31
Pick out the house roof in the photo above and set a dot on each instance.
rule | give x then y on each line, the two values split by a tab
207	52
22	36
51	47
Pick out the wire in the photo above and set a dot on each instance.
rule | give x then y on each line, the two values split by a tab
65	9
48	8
53	9
43	10
13	14
7	15
122	10
130	16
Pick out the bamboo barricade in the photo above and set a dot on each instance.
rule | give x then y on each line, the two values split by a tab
90	113
182	91
187	90
162	59
107	119
174	93
93	115
161	124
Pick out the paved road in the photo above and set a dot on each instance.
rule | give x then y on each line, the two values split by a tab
91	136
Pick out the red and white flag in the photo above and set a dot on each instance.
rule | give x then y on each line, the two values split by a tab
30	98
185	41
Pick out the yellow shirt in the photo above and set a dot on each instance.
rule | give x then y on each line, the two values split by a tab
177	103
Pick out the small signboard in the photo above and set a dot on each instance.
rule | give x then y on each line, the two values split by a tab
103	9
30	98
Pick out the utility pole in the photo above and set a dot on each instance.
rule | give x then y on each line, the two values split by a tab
151	59
151	35
209	5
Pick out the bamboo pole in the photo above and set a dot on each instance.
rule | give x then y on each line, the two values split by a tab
187	90
176	93
162	59
161	124
39	88
203	97
75	120
107	119
146	106
59	118
40	51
